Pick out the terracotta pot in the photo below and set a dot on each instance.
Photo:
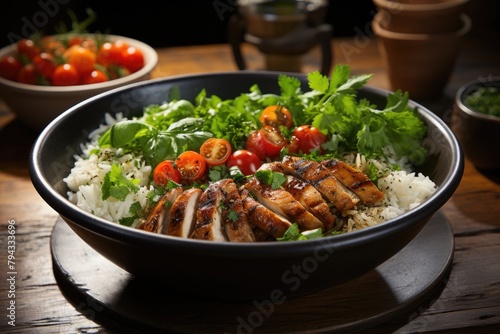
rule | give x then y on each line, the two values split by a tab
419	63
420	16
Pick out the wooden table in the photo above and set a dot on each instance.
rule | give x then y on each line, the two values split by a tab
469	302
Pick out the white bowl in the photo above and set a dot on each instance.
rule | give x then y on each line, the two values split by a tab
38	105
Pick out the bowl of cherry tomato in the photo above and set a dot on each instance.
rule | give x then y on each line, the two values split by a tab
42	77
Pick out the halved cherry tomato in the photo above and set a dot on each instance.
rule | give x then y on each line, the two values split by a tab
95	76
10	67
276	116
166	171
216	151
132	59
191	165
65	75
248	162
254	144
309	138
272	140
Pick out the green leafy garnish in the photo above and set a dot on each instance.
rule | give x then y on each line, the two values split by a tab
117	185
274	179
293	234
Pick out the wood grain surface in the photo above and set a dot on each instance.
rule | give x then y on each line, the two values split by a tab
469	301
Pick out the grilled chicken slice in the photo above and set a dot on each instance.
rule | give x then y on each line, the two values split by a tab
183	213
209	224
158	216
263	218
283	203
234	216
323	180
307	195
355	180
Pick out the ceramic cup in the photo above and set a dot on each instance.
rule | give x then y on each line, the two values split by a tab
419	63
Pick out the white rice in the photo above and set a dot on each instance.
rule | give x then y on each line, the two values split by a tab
403	190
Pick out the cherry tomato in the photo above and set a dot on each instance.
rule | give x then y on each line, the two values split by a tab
309	138
44	64
95	76
272	140
248	162
293	145
28	47
254	144
166	171
216	151
276	115
27	74
65	75
10	67
83	60
191	165
109	53
132	59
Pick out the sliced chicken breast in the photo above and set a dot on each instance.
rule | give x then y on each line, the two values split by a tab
307	195
182	215
158	216
355	180
323	180
234	215
283	203
263	218
209	224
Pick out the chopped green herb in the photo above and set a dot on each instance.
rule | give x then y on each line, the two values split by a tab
117	185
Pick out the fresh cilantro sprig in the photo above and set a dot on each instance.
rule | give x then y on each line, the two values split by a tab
117	185
274	179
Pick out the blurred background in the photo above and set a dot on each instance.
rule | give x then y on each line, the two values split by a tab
173	23
189	22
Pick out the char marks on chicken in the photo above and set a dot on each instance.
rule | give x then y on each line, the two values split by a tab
209	225
355	180
323	180
283	203
263	218
183	213
158	216
234	215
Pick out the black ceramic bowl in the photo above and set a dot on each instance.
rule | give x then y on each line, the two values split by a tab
478	132
234	270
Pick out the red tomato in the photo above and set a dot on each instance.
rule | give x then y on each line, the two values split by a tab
83	60
52	45
293	145
44	64
95	76
309	138
276	115
254	144
272	140
216	151
109	53
132	59
27	75
248	162
191	165
10	67
166	171
65	75
28	47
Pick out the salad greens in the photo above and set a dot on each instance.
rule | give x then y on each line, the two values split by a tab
332	105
